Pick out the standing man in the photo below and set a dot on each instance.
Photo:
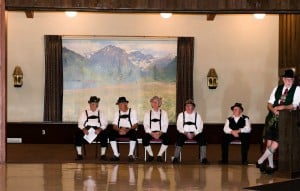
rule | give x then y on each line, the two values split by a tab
125	124
237	127
91	118
156	125
283	97
190	126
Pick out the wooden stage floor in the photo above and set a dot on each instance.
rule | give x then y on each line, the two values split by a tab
52	168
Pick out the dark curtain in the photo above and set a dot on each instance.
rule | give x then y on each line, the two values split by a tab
185	63
53	78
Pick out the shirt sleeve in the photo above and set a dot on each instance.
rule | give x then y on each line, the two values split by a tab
179	123
226	128
146	122
247	127
116	118
272	96
165	121
81	120
133	117
199	124
103	121
296	99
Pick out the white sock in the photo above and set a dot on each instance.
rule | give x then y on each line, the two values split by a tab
149	150
270	159
114	148
162	173
79	150
162	149
264	156
131	147
103	151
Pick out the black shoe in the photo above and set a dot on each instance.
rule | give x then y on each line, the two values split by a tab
130	158
175	160
204	161
79	157
223	162
103	157
159	159
262	167
269	170
114	158
150	159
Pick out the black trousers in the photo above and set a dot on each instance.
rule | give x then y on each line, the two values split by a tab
182	138
131	134
102	137
227	138
147	138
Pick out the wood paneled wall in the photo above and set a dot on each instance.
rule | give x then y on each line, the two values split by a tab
2	83
289	42
187	6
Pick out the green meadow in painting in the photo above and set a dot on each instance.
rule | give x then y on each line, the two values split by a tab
137	68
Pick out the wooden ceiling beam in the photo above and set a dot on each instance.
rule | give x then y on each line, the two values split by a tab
155	6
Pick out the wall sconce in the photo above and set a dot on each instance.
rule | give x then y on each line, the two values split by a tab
212	79
18	77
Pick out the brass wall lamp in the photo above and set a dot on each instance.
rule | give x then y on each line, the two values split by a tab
18	77
212	79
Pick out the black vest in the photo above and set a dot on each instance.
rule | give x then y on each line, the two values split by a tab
239	124
289	97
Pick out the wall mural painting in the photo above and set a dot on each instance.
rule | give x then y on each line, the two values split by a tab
109	67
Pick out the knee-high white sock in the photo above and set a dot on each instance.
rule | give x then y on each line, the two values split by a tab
149	150
162	149
79	150
131	147
114	148
103	151
270	159
265	155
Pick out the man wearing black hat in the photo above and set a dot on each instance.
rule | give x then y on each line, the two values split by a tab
237	127
190	126
94	118
125	124
283	97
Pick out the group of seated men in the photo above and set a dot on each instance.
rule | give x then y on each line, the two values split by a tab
189	126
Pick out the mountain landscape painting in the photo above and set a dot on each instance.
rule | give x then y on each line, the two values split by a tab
135	67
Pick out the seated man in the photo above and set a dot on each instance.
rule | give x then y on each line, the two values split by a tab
190	126
156	125
91	118
237	127
125	124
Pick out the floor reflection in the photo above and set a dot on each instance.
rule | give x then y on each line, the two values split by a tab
113	177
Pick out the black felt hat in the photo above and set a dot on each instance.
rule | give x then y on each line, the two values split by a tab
237	105
122	100
288	74
94	99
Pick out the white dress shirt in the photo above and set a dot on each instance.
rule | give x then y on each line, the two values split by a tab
92	122
155	125
245	129
124	122
189	118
